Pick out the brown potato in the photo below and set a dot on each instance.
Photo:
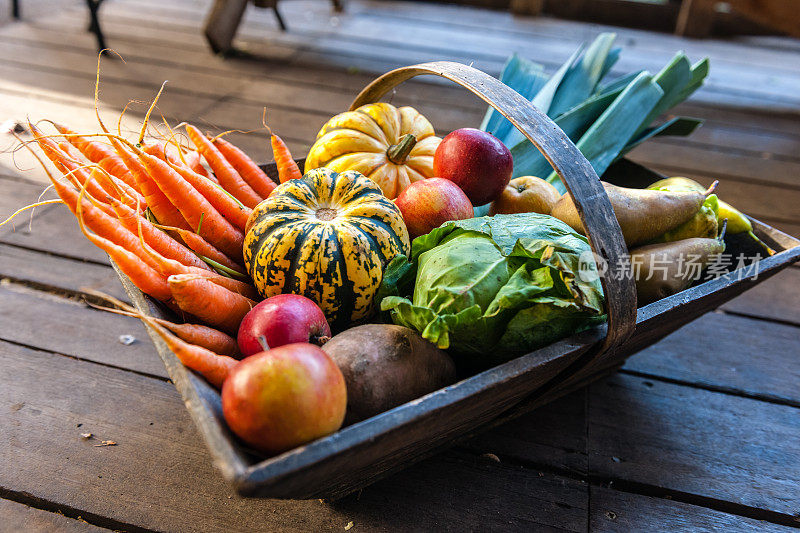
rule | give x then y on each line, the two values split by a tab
385	366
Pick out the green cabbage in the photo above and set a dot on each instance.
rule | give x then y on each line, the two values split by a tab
490	288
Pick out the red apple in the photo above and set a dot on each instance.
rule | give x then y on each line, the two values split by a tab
476	161
282	319
427	204
282	398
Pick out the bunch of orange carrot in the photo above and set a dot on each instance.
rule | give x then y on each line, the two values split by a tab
173	219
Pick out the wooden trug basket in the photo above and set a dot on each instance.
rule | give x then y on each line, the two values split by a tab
362	453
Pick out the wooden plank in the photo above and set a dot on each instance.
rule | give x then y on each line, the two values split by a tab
698	442
48	322
88	44
35	66
754	118
741	138
322	17
446	39
742	51
677	155
319	15
326	99
51	272
341	43
16	193
53	230
612	510
193	58
455	123
775	299
233	112
59	71
159	473
729	353
553	436
20	517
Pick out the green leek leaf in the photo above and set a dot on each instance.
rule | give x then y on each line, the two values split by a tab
603	141
525	77
677	126
528	161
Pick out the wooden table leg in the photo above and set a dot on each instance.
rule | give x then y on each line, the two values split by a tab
222	22
696	18
527	7
94	23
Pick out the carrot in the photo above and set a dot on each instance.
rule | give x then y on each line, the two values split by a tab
212	366
157	201
209	338
194	161
105	226
72	153
95	151
246	167
162	243
115	187
203	248
223	170
287	167
196	210
170	267
204	336
115	166
190	159
102	221
229	207
140	273
215	305
73	171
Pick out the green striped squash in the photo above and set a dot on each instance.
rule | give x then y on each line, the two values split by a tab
327	236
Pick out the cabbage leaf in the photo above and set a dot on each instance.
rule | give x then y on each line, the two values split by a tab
490	288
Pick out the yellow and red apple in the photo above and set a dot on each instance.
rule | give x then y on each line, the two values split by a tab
284	397
427	204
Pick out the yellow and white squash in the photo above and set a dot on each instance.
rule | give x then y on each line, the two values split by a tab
327	236
393	147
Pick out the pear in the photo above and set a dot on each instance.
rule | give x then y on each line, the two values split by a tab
676	183
737	221
703	224
642	214
667	268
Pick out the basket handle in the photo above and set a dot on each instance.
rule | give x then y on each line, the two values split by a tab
580	179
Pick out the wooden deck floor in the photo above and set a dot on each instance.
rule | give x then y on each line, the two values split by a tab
699	431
